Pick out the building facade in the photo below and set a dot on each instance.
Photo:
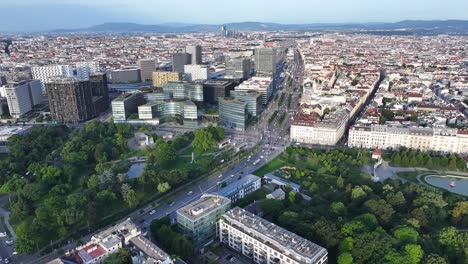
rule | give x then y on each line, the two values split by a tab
70	100
233	113
161	78
19	99
264	242
85	68
442	139
147	67
125	105
195	73
126	76
198	219
238	68
241	188
263	85
179	60
253	99
196	54
213	89
265	61
44	73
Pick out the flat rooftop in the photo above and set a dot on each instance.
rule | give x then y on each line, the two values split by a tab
278	237
203	206
238	185
149	248
7	131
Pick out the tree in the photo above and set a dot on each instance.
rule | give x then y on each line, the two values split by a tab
396	159
203	141
406	235
371	247
337	208
163	154
345	258
121	257
163	187
459	212
381	209
434	259
132	199
357	193
291	196
346	245
327	233
340	182
414	252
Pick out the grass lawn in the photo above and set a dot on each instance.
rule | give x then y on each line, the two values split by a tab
410	176
270	167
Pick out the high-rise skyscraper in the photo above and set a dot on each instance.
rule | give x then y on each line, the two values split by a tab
179	60
196	52
147	67
18	98
72	100
23	96
265	61
238	68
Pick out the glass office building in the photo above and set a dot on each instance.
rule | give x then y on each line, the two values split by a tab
232	113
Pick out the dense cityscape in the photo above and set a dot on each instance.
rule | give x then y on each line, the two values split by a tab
234	146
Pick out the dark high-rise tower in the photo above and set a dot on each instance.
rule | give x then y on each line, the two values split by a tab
72	100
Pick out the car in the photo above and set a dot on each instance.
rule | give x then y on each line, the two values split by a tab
152	212
232	175
171	204
9	242
7	261
3	234
189	193
232	259
220	176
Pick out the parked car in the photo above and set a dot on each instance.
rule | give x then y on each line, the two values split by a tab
9	242
3	234
152	212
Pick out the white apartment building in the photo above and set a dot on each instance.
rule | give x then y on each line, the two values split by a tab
263	85
195	72
265	242
309	129
44	73
18	98
85	68
396	136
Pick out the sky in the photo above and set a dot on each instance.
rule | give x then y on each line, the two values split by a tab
42	15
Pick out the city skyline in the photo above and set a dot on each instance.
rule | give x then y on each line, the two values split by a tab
46	15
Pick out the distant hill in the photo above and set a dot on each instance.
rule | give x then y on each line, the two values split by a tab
416	26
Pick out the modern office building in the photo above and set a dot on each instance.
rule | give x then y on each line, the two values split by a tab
265	61
179	60
70	100
198	219
264	242
263	85
35	90
18	98
126	76
441	139
148	111
125	105
85	68
184	91
253	99
44	73
158	96
196	53
23	96
238	68
241	188
213	89
232	113
147	67
195	72
98	81
160	78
